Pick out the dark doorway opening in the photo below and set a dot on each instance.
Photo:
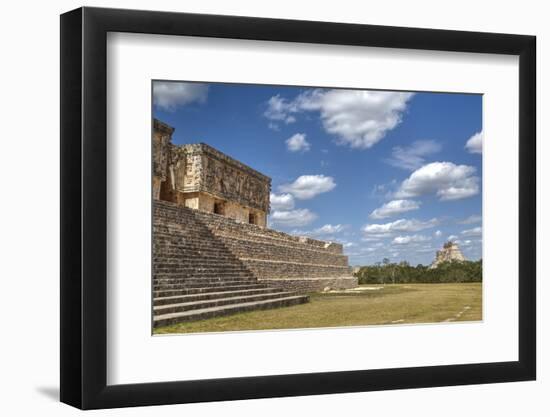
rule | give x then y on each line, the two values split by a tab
218	208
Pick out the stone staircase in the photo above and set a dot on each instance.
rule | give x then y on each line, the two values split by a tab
196	276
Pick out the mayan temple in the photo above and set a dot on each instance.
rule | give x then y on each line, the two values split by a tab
213	253
450	253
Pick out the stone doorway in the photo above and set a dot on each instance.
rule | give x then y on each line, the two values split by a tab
219	208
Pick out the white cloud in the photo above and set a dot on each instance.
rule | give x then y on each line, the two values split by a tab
426	249
292	218
438	233
405	240
308	186
399	226
373	238
413	157
475	143
281	201
476	231
394	208
327	229
171	95
358	118
298	143
453	238
447	180
273	126
279	109
471	219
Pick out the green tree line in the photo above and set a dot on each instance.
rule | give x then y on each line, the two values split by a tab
386	272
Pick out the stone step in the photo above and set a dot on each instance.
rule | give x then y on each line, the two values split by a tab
167	273
192	259
175	299
179	239
205	281
183	247
205	277
215	302
204	289
184	266
198	283
191	275
205	313
202	284
160	291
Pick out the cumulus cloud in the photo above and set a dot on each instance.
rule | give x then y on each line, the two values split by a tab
453	238
280	109
281	201
292	218
308	186
327	229
358	118
438	233
471	219
425	249
399	226
298	143
475	143
413	157
405	240
394	208
171	95
445	179
476	231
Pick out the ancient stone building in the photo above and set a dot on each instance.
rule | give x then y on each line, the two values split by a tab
200	177
450	252
212	252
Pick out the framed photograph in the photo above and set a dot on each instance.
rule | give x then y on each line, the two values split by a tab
256	208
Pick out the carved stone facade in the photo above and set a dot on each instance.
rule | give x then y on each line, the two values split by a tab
200	177
450	252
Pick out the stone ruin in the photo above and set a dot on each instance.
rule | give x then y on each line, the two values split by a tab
450	252
200	177
213	254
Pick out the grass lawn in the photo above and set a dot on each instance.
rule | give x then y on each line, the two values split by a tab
390	304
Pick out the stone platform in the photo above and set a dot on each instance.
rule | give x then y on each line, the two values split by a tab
207	265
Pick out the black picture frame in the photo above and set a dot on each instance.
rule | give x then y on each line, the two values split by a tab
84	207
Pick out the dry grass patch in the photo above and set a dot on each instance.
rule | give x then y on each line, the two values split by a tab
392	304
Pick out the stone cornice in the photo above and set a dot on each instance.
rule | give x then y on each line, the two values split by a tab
203	148
162	127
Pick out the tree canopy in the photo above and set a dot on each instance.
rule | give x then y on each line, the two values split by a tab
398	273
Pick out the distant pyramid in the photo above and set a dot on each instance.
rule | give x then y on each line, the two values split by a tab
450	252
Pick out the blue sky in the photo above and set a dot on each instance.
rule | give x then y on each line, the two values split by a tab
388	174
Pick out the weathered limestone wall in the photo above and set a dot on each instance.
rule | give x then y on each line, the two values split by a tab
273	257
198	176
201	168
205	202
162	143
